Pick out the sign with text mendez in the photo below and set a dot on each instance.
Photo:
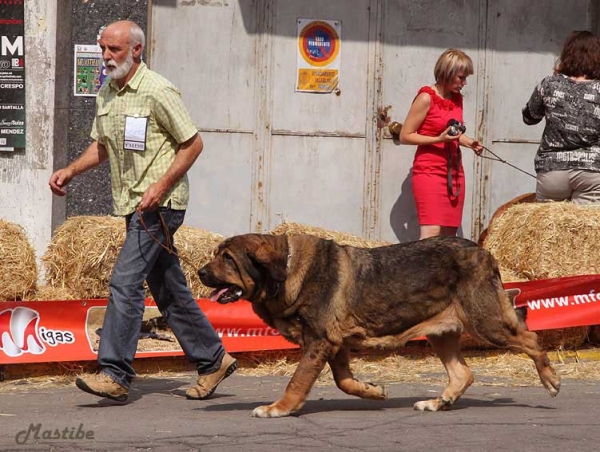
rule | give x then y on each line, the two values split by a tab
12	75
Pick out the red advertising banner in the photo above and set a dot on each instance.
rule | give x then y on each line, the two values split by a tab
52	331
558	302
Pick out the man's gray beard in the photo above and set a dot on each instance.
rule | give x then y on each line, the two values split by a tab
122	69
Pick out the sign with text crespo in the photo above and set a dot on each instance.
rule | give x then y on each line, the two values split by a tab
12	75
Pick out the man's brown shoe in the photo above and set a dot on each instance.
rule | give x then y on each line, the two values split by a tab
103	386
207	384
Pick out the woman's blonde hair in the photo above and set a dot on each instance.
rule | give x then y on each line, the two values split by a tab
450	63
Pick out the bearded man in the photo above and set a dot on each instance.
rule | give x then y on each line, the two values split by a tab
143	129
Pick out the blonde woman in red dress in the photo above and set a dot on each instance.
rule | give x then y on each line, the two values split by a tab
438	178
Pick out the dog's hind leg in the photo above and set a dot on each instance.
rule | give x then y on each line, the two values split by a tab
509	331
313	359
489	314
519	339
526	342
344	379
447	347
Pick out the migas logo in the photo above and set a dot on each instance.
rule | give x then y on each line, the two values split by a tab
19	332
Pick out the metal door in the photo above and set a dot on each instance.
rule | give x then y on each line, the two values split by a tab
273	154
523	41
210	51
415	35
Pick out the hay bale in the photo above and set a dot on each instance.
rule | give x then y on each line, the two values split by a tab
594	335
84	249
342	238
18	272
196	248
547	240
82	253
47	293
527	197
563	338
508	275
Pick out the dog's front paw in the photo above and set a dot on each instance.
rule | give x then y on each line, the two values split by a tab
550	380
438	404
553	385
374	391
269	411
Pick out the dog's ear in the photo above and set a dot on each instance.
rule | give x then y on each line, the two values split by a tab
275	262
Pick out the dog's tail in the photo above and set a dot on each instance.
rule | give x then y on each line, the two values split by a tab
520	310
522	313
483	297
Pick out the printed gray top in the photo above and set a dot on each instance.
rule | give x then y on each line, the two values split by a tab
571	138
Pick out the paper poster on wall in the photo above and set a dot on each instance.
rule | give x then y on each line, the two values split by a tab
318	61
12	75
89	70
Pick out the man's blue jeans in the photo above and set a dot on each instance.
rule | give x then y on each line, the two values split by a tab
142	258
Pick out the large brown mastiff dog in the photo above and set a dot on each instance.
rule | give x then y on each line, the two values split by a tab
332	299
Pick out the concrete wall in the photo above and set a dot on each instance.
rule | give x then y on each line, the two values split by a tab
273	154
58	123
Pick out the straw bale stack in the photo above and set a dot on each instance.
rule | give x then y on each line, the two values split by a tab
563	338
18	272
547	240
84	249
510	276
525	198
196	248
594	335
82	253
342	238
47	293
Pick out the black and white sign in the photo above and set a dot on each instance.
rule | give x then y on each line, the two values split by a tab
12	75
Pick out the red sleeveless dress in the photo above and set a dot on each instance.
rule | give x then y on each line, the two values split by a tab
436	203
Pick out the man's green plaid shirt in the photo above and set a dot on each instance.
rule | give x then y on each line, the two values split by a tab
152	101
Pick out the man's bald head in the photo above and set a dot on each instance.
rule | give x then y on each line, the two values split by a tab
127	29
122	43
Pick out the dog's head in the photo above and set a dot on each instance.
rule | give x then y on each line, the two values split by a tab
250	267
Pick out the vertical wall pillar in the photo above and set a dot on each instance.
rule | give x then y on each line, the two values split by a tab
24	173
62	94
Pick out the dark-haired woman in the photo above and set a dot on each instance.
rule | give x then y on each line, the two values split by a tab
568	158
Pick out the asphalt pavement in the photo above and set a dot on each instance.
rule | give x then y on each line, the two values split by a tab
157	417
